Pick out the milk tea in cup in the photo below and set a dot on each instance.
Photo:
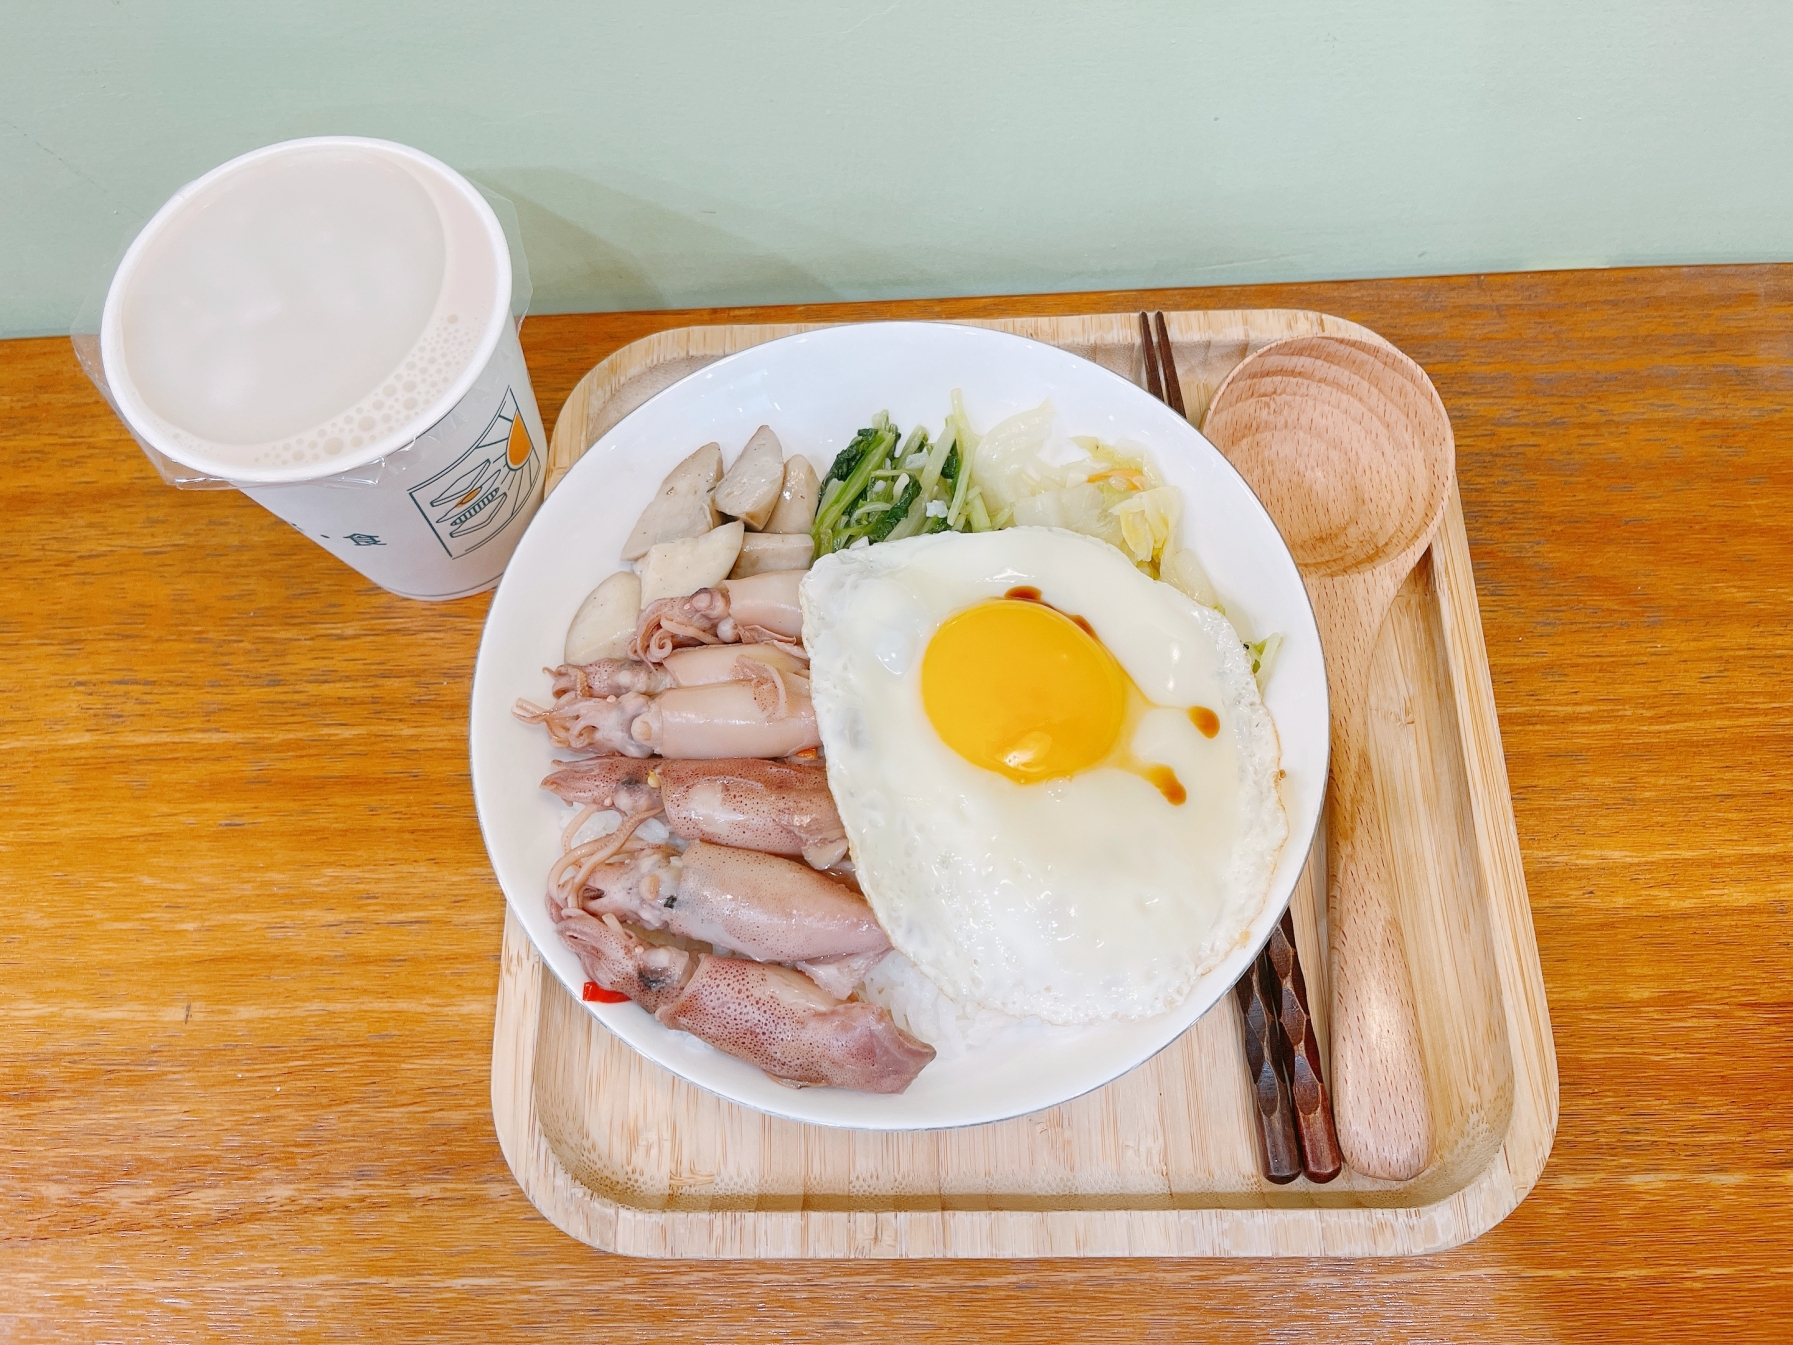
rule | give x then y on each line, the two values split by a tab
326	325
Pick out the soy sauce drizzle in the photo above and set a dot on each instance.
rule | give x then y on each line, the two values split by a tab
1168	784
1206	722
1028	593
1163	778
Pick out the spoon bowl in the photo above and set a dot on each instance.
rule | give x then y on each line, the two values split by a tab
1347	444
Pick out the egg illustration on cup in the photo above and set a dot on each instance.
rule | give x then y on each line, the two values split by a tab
476	496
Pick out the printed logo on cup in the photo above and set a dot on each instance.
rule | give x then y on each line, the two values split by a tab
479	494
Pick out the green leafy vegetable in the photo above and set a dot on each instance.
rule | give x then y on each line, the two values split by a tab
886	522
851	456
935	466
937	506
847	486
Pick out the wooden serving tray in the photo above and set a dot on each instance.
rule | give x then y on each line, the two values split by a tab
626	1157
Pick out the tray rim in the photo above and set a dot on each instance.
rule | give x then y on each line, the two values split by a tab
1484	1201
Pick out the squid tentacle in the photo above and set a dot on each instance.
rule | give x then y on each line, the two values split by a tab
761	609
581	860
667	624
590	724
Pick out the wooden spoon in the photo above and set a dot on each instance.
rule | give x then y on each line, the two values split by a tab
1349	448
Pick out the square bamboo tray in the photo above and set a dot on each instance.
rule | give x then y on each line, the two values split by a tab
622	1155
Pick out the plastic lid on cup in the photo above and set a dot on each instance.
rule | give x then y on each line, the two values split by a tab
305	309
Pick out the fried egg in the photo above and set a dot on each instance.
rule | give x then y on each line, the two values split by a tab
1057	778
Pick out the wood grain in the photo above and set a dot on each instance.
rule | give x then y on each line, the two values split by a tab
1321	1160
1279	1139
1159	1162
1349	448
240	857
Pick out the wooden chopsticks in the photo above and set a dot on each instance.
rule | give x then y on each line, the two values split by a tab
1279	964
1279	1141
1161	366
1282	1053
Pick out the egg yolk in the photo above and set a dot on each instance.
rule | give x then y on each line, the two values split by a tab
1019	688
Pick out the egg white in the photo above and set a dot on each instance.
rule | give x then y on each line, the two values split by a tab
1076	900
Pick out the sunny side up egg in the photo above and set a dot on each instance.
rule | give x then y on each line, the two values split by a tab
1058	781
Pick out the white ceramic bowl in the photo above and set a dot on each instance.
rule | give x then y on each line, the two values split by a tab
816	390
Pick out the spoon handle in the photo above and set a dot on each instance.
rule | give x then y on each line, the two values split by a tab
1380	1100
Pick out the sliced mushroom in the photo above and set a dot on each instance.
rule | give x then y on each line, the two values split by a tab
682	506
796	509
750	490
675	569
605	621
763	551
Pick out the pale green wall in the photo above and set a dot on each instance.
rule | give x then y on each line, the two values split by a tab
667	154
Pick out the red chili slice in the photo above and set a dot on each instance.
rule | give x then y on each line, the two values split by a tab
593	993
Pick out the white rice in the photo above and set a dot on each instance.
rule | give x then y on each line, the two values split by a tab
921	1010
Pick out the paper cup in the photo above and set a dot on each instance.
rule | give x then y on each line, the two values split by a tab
325	324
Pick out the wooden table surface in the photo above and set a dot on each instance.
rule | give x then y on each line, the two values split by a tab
247	975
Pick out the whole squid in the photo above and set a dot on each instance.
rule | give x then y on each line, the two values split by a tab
771	908
767	1015
780	807
700	665
744	706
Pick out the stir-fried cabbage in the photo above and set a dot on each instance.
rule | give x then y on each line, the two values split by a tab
1040	478
1048	480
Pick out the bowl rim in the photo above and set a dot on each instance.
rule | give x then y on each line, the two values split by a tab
1302	830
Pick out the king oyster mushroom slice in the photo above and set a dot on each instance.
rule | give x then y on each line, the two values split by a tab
763	551
605	621
796	510
682	507
750	489
674	569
